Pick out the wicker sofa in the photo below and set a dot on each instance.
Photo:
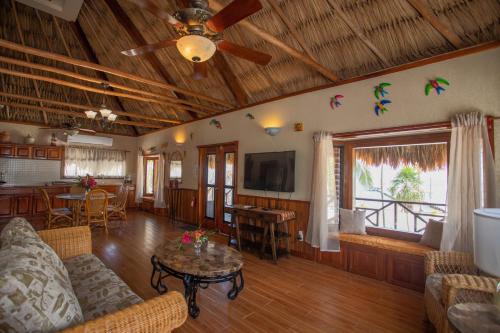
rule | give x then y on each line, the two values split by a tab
107	304
452	278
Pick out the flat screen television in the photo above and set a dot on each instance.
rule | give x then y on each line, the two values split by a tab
270	171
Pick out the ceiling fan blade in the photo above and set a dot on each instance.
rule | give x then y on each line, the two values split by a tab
244	52
157	11
149	48
233	13
87	131
200	70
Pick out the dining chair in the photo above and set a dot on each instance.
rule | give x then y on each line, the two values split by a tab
56	217
96	208
118	209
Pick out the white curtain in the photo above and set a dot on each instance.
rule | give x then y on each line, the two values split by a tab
139	183
471	180
322	230
81	161
159	191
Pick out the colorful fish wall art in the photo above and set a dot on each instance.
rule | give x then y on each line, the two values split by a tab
216	123
436	84
335	102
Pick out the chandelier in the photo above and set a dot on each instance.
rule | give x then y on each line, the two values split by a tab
107	116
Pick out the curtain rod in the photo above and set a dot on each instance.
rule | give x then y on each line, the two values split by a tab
94	147
389	130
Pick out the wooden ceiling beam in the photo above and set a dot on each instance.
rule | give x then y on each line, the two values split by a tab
27	57
442	28
88	107
86	64
77	114
337	9
68	51
174	102
134	33
230	79
217	6
86	88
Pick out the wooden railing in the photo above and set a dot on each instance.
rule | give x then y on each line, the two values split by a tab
418	217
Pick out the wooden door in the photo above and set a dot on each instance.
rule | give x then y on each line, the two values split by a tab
218	165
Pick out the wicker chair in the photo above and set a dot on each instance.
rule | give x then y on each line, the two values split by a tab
56	217
452	278
96	208
161	314
118	209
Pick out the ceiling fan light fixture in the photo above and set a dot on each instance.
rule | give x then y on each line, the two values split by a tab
90	114
196	48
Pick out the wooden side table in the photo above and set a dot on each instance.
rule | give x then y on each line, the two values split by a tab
474	317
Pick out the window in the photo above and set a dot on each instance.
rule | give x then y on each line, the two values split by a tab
176	170
97	162
400	182
150	175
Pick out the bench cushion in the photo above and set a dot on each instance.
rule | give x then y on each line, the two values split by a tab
385	243
98	289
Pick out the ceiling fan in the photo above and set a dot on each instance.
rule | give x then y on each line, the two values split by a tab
201	32
72	128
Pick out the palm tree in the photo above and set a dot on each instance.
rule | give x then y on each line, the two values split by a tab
407	186
364	175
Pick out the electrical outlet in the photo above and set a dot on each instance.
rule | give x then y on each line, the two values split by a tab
300	236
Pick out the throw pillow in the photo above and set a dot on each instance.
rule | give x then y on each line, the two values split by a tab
432	234
352	221
34	297
17	228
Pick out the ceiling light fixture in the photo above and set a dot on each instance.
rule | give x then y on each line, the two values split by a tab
107	115
196	48
91	114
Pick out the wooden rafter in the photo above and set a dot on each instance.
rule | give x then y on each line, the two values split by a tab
87	107
216	6
77	114
86	88
134	33
354	28
298	37
106	69
27	57
230	78
68	52
172	101
442	28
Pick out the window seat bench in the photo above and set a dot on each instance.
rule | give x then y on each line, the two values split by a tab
396	261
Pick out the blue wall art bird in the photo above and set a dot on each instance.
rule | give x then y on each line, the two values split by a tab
335	101
380	90
216	123
380	106
436	85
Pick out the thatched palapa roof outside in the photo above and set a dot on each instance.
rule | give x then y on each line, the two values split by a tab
341	38
426	157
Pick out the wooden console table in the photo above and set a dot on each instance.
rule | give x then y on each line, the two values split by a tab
270	219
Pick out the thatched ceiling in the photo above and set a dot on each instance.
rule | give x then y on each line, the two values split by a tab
348	37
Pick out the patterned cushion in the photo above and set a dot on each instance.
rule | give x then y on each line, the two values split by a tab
434	284
99	290
17	228
34	296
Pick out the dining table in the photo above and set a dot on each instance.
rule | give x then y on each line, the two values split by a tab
76	201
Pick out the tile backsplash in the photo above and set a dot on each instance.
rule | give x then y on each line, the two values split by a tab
21	171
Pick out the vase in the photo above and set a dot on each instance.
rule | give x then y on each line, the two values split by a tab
197	246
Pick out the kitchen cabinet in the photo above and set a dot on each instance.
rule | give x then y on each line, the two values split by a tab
21	151
6	151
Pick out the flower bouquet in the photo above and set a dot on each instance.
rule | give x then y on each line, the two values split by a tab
197	238
87	182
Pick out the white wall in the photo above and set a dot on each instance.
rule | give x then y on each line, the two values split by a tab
42	137
475	85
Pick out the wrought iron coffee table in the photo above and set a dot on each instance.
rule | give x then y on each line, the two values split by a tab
214	264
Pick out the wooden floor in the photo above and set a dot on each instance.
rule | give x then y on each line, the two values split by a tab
297	295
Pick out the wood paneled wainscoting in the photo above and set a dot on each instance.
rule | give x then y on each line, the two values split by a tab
182	205
397	268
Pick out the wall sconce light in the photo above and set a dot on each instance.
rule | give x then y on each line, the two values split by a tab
272	131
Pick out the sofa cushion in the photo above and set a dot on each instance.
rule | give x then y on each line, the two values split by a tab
34	296
385	243
17	228
98	289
